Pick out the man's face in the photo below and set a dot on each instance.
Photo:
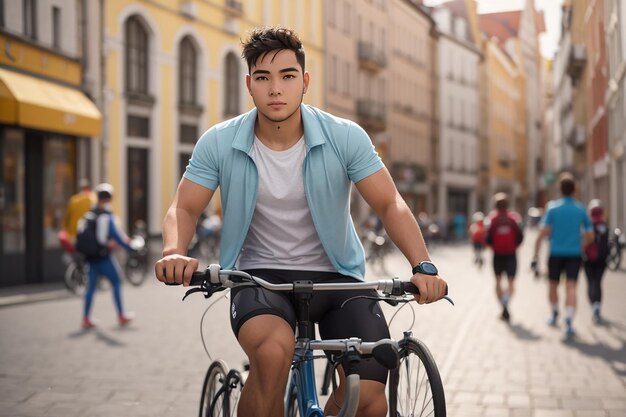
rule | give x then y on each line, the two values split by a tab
277	84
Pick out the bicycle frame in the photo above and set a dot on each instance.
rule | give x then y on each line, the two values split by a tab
302	381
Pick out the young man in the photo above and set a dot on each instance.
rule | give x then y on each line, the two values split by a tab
504	235
104	263
569	228
285	171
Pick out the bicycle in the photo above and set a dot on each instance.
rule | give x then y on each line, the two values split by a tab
617	242
76	271
414	378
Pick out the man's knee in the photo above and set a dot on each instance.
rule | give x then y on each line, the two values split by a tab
268	341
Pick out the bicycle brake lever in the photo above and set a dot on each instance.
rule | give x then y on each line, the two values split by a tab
448	299
193	290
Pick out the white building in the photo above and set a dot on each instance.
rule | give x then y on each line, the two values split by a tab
459	107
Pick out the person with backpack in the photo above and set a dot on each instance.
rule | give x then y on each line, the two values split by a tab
569	228
504	235
595	256
94	239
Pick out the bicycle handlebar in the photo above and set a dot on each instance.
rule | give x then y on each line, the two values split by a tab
215	277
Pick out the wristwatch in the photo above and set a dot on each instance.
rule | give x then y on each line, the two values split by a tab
426	268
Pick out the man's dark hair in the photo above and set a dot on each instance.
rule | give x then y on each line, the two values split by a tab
263	40
501	201
567	183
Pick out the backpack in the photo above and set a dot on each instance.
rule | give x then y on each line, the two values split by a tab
477	233
86	240
504	234
598	249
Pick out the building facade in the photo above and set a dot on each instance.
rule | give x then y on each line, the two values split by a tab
459	105
47	127
615	26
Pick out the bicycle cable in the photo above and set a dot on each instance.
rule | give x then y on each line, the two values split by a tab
215	300
398	310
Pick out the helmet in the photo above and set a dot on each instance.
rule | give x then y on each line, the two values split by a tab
104	191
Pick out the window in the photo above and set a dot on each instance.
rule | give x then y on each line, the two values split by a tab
2	14
188	133
29	16
187	72
56	27
136	51
138	126
231	92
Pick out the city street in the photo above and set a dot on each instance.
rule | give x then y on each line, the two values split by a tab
49	366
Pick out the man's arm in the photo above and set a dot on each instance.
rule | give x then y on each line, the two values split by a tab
179	227
381	194
543	233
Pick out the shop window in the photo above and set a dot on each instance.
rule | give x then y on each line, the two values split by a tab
138	126
12	198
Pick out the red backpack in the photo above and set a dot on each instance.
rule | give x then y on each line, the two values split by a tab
504	234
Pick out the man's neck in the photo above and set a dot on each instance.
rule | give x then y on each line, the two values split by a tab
279	136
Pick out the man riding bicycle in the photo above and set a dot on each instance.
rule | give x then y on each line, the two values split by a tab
285	170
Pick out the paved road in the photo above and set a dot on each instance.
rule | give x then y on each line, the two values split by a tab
155	367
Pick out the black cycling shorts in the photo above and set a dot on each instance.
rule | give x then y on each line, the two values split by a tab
568	264
505	263
362	318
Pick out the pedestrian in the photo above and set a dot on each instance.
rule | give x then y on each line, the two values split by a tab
504	235
97	232
78	204
568	228
595	256
285	171
477	232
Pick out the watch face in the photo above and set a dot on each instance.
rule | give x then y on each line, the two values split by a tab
429	268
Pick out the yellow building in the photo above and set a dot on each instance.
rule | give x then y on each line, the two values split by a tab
46	122
173	69
505	121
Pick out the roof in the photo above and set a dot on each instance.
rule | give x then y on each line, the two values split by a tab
502	25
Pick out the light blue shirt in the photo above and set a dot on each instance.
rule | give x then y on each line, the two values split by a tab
339	153
567	219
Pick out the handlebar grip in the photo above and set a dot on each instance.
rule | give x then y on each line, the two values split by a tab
409	287
197	279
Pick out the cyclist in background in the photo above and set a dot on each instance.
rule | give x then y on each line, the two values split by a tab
564	222
285	171
103	263
504	236
78	204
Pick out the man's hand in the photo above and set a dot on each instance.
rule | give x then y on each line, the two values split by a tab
176	269
432	288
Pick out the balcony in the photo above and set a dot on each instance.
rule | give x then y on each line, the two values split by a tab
234	8
576	62
370	58
505	158
371	115
578	137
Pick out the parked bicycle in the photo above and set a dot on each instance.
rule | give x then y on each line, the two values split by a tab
205	242
617	242
414	388
76	274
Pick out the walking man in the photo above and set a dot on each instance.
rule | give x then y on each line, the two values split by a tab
596	253
504	236
568	228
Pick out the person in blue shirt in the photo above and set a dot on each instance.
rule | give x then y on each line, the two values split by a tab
285	171
106	233
568	228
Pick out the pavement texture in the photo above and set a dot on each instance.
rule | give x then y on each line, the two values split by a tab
49	366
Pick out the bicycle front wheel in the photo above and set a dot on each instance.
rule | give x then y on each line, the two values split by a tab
76	278
220	391
415	387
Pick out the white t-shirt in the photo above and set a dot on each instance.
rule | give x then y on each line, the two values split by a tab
282	234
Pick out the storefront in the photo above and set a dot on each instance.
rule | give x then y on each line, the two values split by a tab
41	126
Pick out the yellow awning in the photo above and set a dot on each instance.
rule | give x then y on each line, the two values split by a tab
38	104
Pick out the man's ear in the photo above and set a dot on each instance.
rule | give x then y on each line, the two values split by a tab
306	78
248	83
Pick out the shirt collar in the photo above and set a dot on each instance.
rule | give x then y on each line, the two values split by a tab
313	134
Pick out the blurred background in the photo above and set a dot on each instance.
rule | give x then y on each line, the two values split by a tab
462	99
